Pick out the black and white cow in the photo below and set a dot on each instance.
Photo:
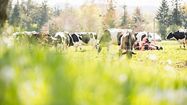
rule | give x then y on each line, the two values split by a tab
127	43
78	39
87	37
61	40
179	36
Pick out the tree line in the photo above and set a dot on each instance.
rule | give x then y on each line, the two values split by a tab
32	16
171	18
28	15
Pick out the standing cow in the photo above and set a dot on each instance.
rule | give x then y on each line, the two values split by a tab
61	40
127	43
179	36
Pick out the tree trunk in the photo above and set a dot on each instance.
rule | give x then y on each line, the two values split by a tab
3	11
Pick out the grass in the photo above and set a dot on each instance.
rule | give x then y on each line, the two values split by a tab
36	75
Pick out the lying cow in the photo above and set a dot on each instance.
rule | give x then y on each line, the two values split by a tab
179	36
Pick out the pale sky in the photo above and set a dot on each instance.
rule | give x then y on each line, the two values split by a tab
154	3
140	3
145	5
117	2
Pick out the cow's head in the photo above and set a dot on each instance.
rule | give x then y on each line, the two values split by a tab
170	36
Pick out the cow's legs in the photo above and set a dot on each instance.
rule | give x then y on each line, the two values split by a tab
184	46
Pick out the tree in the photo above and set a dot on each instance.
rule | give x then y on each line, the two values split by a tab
110	16
163	13
56	11
124	18
184	16
163	18
89	17
137	20
176	17
3	11
44	14
15	18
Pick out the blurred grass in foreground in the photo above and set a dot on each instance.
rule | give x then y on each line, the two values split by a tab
36	75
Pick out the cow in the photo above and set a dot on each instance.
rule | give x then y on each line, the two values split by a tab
61	40
87	37
151	36
147	41
110	36
127	42
179	36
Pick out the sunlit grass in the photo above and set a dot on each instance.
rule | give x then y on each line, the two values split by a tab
36	75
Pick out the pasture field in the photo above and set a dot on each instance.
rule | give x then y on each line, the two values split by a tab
37	75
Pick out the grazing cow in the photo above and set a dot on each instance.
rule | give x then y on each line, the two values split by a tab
62	38
179	36
75	39
87	37
111	36
127	44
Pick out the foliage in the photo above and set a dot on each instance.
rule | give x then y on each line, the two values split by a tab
109	18
124	18
86	18
176	16
15	17
163	13
184	12
137	20
173	28
29	15
163	18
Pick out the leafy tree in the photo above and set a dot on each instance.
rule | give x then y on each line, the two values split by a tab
176	16
56	11
163	18
137	20
44	14
15	18
184	16
110	15
124	18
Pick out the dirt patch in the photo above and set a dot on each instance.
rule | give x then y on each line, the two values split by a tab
181	64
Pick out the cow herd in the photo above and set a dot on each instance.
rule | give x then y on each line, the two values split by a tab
126	39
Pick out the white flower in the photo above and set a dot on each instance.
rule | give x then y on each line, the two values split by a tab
169	61
168	68
152	57
7	74
122	78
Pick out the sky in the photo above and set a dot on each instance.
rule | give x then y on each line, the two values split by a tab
145	5
154	3
117	2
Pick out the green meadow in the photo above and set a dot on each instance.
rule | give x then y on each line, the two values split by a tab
42	75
